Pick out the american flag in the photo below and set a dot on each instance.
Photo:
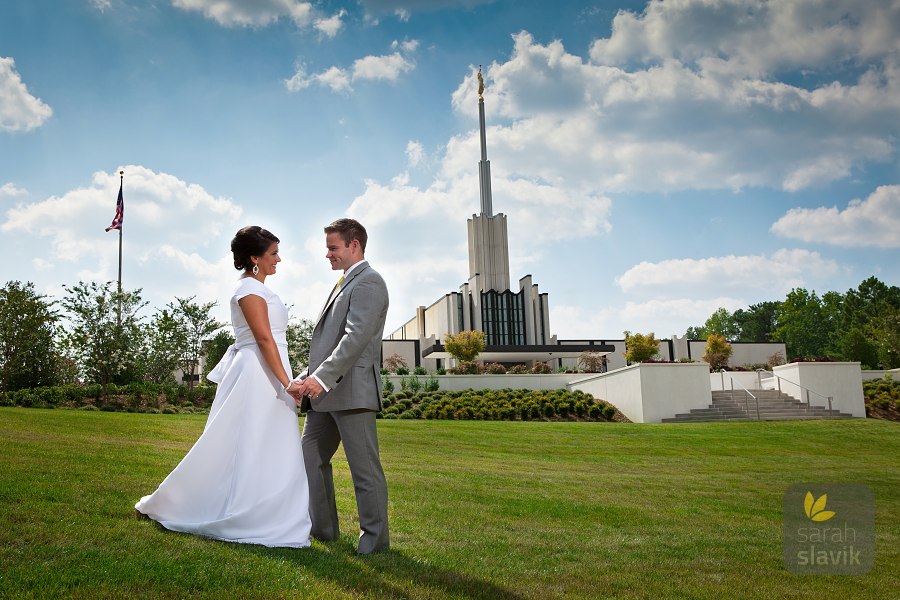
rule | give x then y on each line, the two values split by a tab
120	212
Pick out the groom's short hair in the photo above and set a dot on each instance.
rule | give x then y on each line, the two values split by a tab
349	230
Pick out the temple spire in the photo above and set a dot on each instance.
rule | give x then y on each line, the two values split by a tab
484	165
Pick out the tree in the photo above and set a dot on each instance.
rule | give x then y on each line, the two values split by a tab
757	323
860	309
165	340
195	325
871	299
215	349
886	333
465	345
802	325
722	323
697	332
857	345
104	335
299	338
640	348
28	355
718	351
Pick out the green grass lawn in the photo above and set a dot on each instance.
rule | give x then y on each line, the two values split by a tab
478	510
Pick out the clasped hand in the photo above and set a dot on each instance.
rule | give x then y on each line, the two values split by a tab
307	387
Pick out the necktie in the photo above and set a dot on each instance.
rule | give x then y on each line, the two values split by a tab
335	289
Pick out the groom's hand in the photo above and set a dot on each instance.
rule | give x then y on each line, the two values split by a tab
310	387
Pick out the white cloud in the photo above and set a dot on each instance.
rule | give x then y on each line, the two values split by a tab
19	110
386	67
330	26
333	78
158	206
778	273
874	221
663	317
753	38
175	241
408	46
649	114
403	9
415	153
9	189
101	5
251	13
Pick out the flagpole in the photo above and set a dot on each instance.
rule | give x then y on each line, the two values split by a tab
121	226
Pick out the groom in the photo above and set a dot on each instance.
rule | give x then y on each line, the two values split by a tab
341	391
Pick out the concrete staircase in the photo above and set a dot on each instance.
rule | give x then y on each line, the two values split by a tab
773	405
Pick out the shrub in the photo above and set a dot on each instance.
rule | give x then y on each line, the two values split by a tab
402	371
440	371
420	370
541	368
494	369
414	384
432	384
718	351
466	368
775	360
387	386
639	347
465	345
517	370
592	362
394	363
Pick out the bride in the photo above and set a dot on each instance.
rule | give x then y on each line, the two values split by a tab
244	480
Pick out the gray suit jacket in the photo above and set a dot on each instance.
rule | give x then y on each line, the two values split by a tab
345	353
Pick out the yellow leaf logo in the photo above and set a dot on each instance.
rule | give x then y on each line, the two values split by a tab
815	509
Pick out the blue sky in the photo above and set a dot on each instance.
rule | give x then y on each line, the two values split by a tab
655	161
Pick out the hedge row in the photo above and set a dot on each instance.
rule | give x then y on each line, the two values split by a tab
134	397
497	405
883	394
492	405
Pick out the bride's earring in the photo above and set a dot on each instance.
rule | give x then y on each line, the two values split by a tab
255	270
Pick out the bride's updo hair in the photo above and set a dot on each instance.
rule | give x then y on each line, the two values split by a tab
250	241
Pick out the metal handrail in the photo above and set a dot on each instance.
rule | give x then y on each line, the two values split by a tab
749	393
778	379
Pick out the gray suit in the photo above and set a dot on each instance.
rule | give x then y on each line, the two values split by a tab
345	355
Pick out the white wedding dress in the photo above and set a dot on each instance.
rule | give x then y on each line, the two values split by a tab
244	479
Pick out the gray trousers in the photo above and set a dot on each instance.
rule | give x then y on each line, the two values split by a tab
322	433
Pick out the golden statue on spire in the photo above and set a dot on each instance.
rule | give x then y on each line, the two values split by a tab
480	84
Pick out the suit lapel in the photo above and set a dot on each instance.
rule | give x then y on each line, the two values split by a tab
333	296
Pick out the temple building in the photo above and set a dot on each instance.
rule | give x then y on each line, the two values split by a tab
516	324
